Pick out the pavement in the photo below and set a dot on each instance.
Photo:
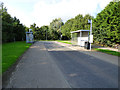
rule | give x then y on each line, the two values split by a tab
56	65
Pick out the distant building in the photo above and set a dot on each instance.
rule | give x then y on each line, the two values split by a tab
29	36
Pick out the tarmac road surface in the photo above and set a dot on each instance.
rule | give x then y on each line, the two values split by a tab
50	65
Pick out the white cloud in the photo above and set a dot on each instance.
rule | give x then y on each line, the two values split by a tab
66	9
44	11
24	18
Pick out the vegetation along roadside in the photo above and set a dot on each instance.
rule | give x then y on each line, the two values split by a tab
11	52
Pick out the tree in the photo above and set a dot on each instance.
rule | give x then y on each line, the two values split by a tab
55	28
86	25
77	23
45	33
66	29
40	33
12	29
106	25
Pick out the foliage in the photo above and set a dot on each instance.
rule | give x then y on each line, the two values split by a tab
55	28
66	28
12	29
51	32
106	26
77	23
11	52
41	33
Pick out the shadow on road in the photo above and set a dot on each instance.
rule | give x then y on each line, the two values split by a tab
83	71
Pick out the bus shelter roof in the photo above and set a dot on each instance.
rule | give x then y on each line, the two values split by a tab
80	31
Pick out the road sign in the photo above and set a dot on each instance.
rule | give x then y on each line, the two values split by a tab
30	30
89	21
91	39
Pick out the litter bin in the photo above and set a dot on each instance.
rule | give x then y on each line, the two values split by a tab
87	45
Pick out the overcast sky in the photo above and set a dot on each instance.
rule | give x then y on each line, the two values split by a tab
42	12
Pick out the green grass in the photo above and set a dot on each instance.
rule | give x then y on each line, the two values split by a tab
65	41
108	51
11	52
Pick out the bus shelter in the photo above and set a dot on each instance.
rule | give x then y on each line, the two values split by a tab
79	37
29	37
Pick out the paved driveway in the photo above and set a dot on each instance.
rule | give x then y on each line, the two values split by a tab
50	65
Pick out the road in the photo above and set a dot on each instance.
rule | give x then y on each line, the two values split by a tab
50	65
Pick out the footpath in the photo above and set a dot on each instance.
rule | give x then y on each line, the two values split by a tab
76	47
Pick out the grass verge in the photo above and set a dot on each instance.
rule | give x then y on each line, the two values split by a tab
108	51
66	41
11	52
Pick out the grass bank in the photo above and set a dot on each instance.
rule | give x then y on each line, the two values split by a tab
65	41
11	52
108	51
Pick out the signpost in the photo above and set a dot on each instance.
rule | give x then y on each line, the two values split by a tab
91	39
90	36
30	30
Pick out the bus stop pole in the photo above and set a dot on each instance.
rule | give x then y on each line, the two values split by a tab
90	32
